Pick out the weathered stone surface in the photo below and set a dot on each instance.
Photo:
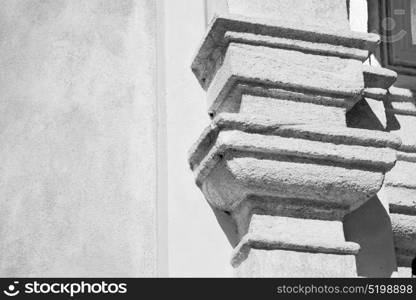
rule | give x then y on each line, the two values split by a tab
400	183
375	93
293	44
402	175
404	229
266	67
309	244
401	200
275	232
284	106
278	164
269	126
322	14
323	240
295	264
214	46
401	103
375	77
290	167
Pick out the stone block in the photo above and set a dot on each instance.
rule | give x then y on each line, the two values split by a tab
276	72
322	14
314	248
274	34
293	162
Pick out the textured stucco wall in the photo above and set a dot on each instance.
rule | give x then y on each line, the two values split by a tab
77	138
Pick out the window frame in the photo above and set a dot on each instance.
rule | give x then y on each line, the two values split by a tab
401	54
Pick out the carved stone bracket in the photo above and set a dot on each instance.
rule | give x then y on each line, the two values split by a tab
278	163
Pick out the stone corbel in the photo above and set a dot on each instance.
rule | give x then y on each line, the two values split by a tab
286	189
278	163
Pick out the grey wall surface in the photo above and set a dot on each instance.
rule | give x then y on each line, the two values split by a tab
78	174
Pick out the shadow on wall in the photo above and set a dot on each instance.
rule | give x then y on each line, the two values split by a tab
370	227
362	116
392	122
414	268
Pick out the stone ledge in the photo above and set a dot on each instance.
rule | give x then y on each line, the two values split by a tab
214	44
380	159
235	176
408	146
294	208
401	95
375	93
252	241
401	102
402	108
267	126
269	68
284	105
292	44
401	200
375	77
408	157
403	175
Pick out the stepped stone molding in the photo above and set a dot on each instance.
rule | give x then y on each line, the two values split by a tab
266	32
278	163
400	183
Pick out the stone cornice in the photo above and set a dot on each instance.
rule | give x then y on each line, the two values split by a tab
268	126
214	44
269	68
348	154
360	157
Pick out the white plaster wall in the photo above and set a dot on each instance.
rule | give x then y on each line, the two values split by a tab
95	125
78	138
358	15
197	245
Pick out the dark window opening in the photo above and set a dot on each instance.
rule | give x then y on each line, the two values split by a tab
396	24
